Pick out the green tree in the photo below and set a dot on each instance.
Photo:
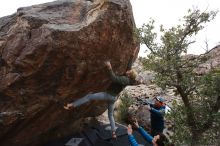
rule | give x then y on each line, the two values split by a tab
198	116
126	102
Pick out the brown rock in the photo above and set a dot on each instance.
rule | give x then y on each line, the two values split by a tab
54	53
213	61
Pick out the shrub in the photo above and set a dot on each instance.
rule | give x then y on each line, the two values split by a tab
126	102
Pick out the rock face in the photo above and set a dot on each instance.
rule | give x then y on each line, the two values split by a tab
212	63
53	53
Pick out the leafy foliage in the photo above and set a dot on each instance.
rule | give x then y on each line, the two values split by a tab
197	118
126	102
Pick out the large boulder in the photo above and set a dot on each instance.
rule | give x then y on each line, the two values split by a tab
53	53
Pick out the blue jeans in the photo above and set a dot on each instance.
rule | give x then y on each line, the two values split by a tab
100	96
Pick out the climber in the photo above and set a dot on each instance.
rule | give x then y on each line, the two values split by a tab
118	84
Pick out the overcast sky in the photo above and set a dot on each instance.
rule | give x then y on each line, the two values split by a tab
166	12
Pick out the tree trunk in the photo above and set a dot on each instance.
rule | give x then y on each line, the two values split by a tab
195	138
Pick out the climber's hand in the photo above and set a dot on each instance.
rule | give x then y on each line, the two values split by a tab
108	65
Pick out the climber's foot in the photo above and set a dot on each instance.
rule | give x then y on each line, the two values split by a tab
114	135
68	106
